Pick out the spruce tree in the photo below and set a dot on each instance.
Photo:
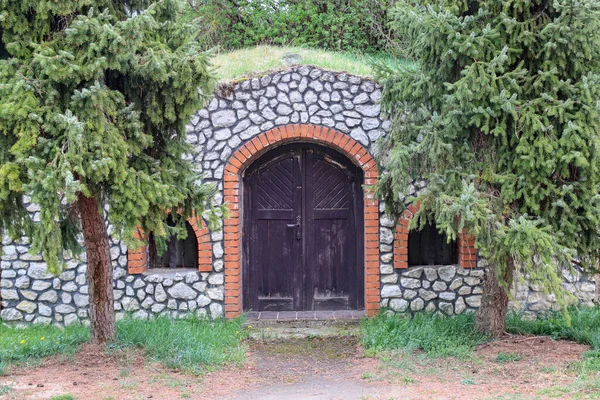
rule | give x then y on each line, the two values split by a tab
94	100
500	114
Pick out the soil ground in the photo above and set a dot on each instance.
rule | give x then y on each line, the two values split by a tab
330	367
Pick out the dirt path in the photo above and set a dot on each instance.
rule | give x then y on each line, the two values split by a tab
315	368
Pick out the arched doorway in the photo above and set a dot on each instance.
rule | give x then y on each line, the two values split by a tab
303	231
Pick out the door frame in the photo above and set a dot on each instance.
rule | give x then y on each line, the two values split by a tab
252	149
273	155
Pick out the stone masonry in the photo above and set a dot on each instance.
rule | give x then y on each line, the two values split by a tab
239	113
30	294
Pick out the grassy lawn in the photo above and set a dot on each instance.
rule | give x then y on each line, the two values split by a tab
36	342
583	328
439	335
436	335
189	344
412	347
236	64
418	352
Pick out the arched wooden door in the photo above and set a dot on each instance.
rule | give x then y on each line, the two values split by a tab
303	231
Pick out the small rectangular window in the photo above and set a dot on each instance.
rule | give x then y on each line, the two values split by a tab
430	247
180	253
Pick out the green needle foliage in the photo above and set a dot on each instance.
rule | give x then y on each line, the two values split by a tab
94	100
501	116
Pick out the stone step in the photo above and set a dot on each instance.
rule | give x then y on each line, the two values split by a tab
341	315
290	324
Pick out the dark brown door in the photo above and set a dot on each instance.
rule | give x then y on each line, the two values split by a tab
303	231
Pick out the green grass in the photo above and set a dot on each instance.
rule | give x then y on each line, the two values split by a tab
394	340
584	387
436	335
63	397
189	344
5	389
584	326
508	357
453	336
250	61
589	364
35	342
469	381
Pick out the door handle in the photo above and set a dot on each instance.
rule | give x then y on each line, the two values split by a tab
298	227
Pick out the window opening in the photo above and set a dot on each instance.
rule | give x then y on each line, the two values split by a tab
180	253
430	247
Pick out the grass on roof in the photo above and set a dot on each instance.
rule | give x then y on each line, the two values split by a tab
253	60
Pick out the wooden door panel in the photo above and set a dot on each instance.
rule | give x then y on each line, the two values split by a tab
275	255
273	203
331	188
332	257
332	283
303	231
275	186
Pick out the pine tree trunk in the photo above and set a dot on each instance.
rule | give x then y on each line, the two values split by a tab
597	297
99	271
491	316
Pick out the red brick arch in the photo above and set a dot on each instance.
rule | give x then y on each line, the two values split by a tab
137	259
253	149
467	254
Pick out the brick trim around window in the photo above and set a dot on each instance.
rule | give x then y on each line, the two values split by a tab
467	253
137	259
259	145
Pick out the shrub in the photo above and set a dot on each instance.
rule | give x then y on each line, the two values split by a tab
349	25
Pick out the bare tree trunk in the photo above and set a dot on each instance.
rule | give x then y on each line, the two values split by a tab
99	271
491	317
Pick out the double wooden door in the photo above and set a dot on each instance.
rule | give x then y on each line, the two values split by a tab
303	234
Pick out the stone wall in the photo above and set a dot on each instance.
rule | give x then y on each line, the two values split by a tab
30	294
239	114
449	289
529	298
297	96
